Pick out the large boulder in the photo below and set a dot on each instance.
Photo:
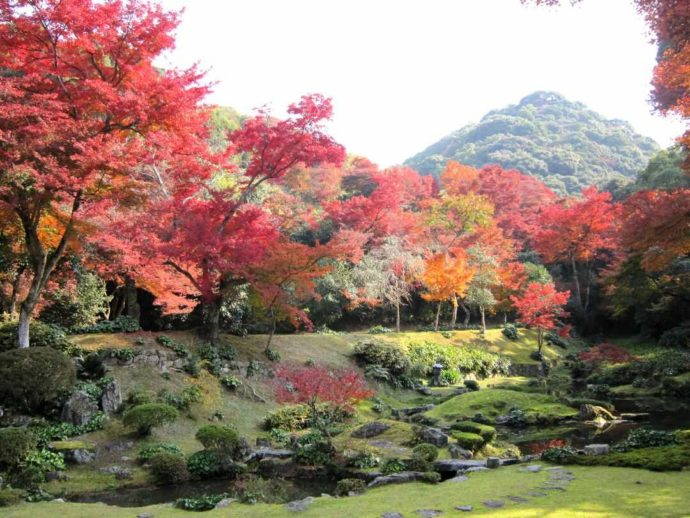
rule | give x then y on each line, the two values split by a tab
434	436
370	430
396	478
592	412
79	409
111	400
455	465
458	452
596	449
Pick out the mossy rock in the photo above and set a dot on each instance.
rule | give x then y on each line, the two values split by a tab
488	433
70	446
469	440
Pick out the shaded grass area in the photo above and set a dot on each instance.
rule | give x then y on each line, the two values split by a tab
595	492
494	341
494	402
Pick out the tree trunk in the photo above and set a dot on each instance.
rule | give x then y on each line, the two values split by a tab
481	310
438	315
211	329
540	338
454	313
132	308
505	318
273	329
576	278
397	317
12	308
467	313
26	310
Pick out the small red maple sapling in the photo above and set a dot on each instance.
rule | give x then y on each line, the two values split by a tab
317	384
540	307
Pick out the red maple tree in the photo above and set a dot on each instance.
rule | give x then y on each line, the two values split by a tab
541	307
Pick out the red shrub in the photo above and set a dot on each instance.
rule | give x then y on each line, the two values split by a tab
541	446
319	384
605	353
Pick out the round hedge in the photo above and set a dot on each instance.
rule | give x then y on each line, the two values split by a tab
426	451
148	416
15	443
218	437
169	468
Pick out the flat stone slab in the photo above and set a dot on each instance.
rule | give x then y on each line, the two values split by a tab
532	469
494	504
596	449
429	513
517	499
299	505
396	478
536	494
476	469
459	478
450	465
391	515
370	430
269	453
464	508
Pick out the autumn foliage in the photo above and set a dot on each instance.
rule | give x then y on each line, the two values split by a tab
541	307
605	353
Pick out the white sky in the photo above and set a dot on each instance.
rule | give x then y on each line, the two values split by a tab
404	73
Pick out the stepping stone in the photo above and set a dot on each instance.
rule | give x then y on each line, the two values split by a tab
299	505
553	488
459	478
494	504
429	513
536	494
532	469
391	515
464	508
555	468
517	499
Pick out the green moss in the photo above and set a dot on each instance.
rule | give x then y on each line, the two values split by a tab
665	458
469	440
494	402
488	433
71	445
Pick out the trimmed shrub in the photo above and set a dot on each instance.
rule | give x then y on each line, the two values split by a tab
450	377
32	379
426	451
431	477
363	460
510	332
486	432
220	438
350	485
562	455
388	355
184	400
147	452
473	385
313	449
169	468
230	382
418	463
379	330
42	335
148	416
211	463
468	440
202	503
15	444
664	458
646	438
424	355
298	417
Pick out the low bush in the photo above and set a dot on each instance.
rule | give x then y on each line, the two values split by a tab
206	464
363	460
298	417
556	339
148	451
348	486
605	353
92	367
683	437
418	463
471	384
15	444
379	330
510	332
431	477
426	451
676	337
656	367
148	416
468	440
32	379
168	467
393	465
230	382
388	355
180	350
184	400
449	377
10	497
46	432
272	355
218	437
646	438
559	455
122	324
41	462
42	335
488	433
424	355
202	503
313	449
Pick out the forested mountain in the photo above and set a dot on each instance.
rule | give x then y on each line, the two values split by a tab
564	143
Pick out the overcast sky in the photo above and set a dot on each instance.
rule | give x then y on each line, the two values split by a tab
404	73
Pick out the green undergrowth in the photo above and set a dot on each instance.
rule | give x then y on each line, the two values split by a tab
595	492
494	402
665	458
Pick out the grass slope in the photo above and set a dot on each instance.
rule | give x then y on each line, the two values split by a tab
595	492
494	402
